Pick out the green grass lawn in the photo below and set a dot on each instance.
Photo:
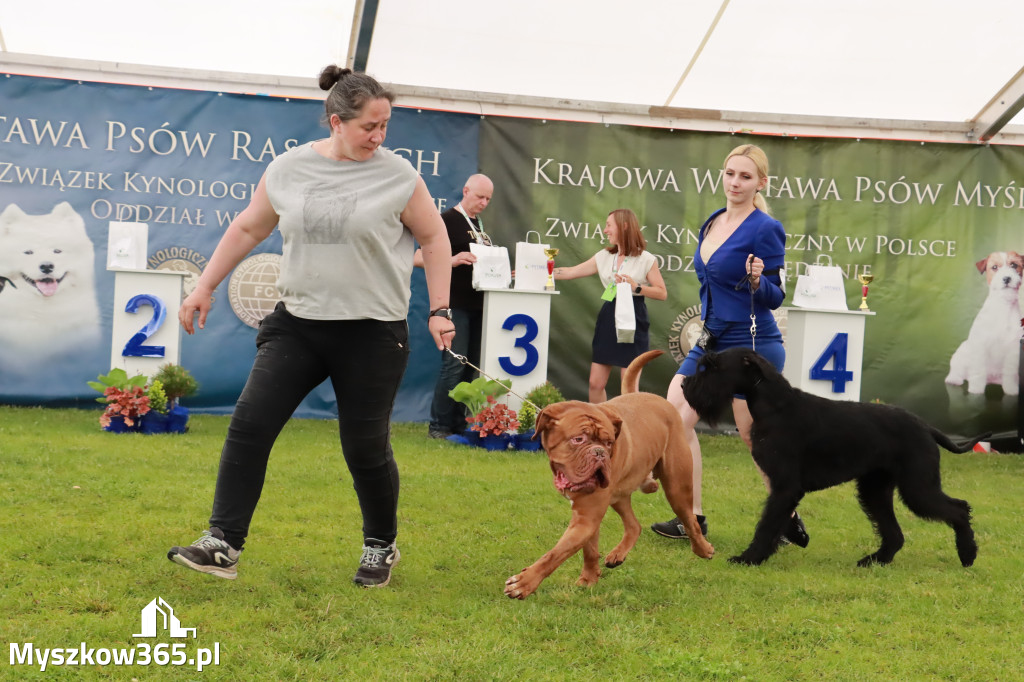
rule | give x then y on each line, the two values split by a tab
86	518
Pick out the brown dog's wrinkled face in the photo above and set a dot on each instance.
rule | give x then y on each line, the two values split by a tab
579	439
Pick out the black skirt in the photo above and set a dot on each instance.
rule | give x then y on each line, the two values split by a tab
606	348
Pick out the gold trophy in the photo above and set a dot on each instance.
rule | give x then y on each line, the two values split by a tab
865	280
550	253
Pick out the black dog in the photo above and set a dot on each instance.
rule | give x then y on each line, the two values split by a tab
804	443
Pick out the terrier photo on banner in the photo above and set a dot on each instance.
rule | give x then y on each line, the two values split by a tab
991	352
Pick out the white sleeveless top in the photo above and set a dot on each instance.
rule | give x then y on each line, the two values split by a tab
636	267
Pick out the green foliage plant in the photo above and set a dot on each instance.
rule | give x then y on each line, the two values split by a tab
474	394
537	399
527	417
157	397
119	379
544	395
177	381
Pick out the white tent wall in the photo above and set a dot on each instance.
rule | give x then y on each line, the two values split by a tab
496	104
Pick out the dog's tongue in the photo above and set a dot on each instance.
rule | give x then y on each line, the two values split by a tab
47	287
561	482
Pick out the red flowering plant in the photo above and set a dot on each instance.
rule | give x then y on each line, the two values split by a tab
494	419
124	396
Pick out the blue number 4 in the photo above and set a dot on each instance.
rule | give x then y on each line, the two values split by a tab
836	352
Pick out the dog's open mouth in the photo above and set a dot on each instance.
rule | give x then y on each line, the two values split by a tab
47	286
596	480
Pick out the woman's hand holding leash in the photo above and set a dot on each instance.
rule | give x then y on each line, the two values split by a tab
755	266
443	331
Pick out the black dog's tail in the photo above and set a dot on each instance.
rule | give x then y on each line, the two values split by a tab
959	448
631	375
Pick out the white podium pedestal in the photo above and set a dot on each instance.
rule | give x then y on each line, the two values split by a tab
146	332
825	351
514	342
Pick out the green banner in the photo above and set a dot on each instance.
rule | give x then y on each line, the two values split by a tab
917	217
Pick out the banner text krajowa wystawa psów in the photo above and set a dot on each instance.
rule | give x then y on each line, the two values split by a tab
917	217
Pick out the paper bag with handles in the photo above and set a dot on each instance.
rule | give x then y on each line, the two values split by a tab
491	269
625	316
531	264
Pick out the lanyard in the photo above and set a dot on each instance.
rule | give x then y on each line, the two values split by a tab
479	235
609	291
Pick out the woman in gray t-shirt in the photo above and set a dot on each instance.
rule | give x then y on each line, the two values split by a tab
349	212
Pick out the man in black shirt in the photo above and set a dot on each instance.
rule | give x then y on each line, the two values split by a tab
465	226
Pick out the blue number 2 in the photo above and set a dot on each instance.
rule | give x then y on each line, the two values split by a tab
134	347
836	352
529	334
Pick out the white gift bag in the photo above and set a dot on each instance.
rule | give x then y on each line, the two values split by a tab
822	287
531	264
491	269
625	316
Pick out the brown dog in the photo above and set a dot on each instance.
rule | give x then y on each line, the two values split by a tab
599	455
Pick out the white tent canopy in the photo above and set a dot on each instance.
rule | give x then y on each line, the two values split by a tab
895	67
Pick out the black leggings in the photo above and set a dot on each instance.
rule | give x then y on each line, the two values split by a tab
365	361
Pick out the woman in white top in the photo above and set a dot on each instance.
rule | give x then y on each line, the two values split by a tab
625	259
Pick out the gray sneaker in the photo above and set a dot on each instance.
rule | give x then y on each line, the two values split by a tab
376	563
209	554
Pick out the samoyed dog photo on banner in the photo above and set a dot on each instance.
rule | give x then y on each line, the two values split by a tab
48	306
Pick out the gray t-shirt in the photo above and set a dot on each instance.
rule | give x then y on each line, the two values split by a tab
346	253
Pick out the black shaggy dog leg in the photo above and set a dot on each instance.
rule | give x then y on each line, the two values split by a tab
927	500
875	494
775	518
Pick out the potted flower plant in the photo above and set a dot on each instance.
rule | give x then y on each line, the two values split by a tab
495	422
177	383
125	398
474	395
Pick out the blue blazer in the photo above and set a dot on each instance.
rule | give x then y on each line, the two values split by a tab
759	234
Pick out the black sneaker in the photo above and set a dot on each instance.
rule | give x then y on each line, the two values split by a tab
376	563
674	528
209	554
438	433
796	532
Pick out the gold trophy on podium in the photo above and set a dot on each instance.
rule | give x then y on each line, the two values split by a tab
550	253
865	280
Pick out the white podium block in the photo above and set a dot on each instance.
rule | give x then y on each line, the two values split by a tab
825	351
514	342
146	332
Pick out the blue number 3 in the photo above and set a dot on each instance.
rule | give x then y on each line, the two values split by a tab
836	352
135	347
524	342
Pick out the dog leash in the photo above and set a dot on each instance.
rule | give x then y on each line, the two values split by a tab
747	281
465	361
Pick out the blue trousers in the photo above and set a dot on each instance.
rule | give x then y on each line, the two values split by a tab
445	413
365	361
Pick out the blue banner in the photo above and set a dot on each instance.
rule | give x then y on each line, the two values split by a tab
76	156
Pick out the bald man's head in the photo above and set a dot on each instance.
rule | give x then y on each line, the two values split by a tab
476	194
